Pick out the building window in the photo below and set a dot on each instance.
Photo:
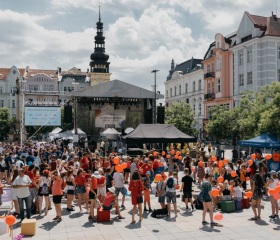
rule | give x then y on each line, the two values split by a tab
31	87
209	88
278	75
166	93
249	55
48	88
170	92
213	87
194	107
241	58
1	89
65	89
199	108
13	103
193	88
208	68
218	85
199	84
218	63
249	77
180	88
213	67
186	88
1	103
175	91
241	79
278	52
187	100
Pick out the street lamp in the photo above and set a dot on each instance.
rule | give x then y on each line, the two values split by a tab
75	84
155	100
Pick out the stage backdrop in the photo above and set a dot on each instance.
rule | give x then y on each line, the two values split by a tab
110	117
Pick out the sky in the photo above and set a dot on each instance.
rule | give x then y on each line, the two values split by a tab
141	35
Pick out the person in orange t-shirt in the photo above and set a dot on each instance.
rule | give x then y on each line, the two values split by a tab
84	162
57	194
93	193
80	181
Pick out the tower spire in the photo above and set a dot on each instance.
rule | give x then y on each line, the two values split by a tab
99	14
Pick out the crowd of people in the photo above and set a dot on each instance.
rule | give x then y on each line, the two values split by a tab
89	180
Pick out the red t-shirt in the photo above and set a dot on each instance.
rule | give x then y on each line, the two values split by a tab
108	199
93	183
85	163
80	180
87	176
101	180
106	164
145	168
32	178
155	165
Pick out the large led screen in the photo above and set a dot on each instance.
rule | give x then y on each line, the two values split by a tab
42	116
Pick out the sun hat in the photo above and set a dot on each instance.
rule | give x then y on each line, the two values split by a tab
272	172
112	189
96	174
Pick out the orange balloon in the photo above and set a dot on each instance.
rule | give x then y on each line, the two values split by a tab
215	192
268	156
250	162
271	191
277	189
214	158
249	194
172	151
178	153
276	196
225	161
155	153
119	168
200	163
247	179
180	157
163	153
253	156
220	164
167	156
10	220
116	160
233	174
158	177
124	165
161	164
220	179
218	216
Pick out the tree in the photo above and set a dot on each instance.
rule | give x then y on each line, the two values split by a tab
4	123
182	117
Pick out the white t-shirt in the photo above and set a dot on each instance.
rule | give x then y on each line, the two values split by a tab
174	183
118	180
237	192
22	192
1	149
19	164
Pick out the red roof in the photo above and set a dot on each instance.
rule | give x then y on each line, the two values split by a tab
33	72
4	72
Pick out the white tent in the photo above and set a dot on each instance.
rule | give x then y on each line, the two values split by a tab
80	132
110	133
55	133
128	130
56	130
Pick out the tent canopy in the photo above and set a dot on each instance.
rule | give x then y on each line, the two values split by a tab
157	133
56	130
110	131
263	141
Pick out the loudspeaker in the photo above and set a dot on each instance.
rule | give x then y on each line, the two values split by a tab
148	116
67	114
160	114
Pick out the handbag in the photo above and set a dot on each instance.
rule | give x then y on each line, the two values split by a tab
140	197
97	204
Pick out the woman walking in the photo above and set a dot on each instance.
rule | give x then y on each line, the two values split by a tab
258	191
57	194
81	182
136	187
44	191
70	186
271	184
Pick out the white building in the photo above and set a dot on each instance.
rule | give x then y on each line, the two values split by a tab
256	53
185	84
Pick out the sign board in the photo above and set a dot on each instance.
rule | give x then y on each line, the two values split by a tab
104	118
42	116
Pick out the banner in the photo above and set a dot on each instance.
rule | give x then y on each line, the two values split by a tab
42	116
104	118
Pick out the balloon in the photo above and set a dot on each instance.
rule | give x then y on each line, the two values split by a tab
247	179
277	189
180	157
124	165
158	177
155	153
10	220
220	164
176	157
272	191
253	156
178	153
233	174
250	162
163	153
218	216
200	163
193	169
119	168
248	169
276	196
172	151
249	194
220	179
215	192
116	160
167	156
214	158
268	156
225	161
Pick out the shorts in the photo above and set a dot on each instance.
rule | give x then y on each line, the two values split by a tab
70	192
257	197
91	195
101	191
147	196
188	195
80	189
2	169
126	170
161	199
106	208
122	190
57	199
170	197
34	193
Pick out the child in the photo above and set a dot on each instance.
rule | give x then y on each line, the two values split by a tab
147	187
160	188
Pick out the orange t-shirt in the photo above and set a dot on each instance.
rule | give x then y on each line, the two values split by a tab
80	180
101	180
93	183
56	188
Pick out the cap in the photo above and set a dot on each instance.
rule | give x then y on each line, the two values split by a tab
148	173
272	172
112	189
96	174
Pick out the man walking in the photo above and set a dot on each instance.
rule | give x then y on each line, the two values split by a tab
170	194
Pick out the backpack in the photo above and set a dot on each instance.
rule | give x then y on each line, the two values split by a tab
159	213
170	182
198	204
201	195
45	188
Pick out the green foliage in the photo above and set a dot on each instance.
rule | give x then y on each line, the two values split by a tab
258	112
182	117
4	123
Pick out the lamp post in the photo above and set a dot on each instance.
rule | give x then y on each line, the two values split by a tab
75	107
155	100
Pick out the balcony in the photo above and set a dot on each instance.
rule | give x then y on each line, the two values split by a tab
209	75
209	96
50	93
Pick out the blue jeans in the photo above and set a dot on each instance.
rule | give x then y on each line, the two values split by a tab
27	205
